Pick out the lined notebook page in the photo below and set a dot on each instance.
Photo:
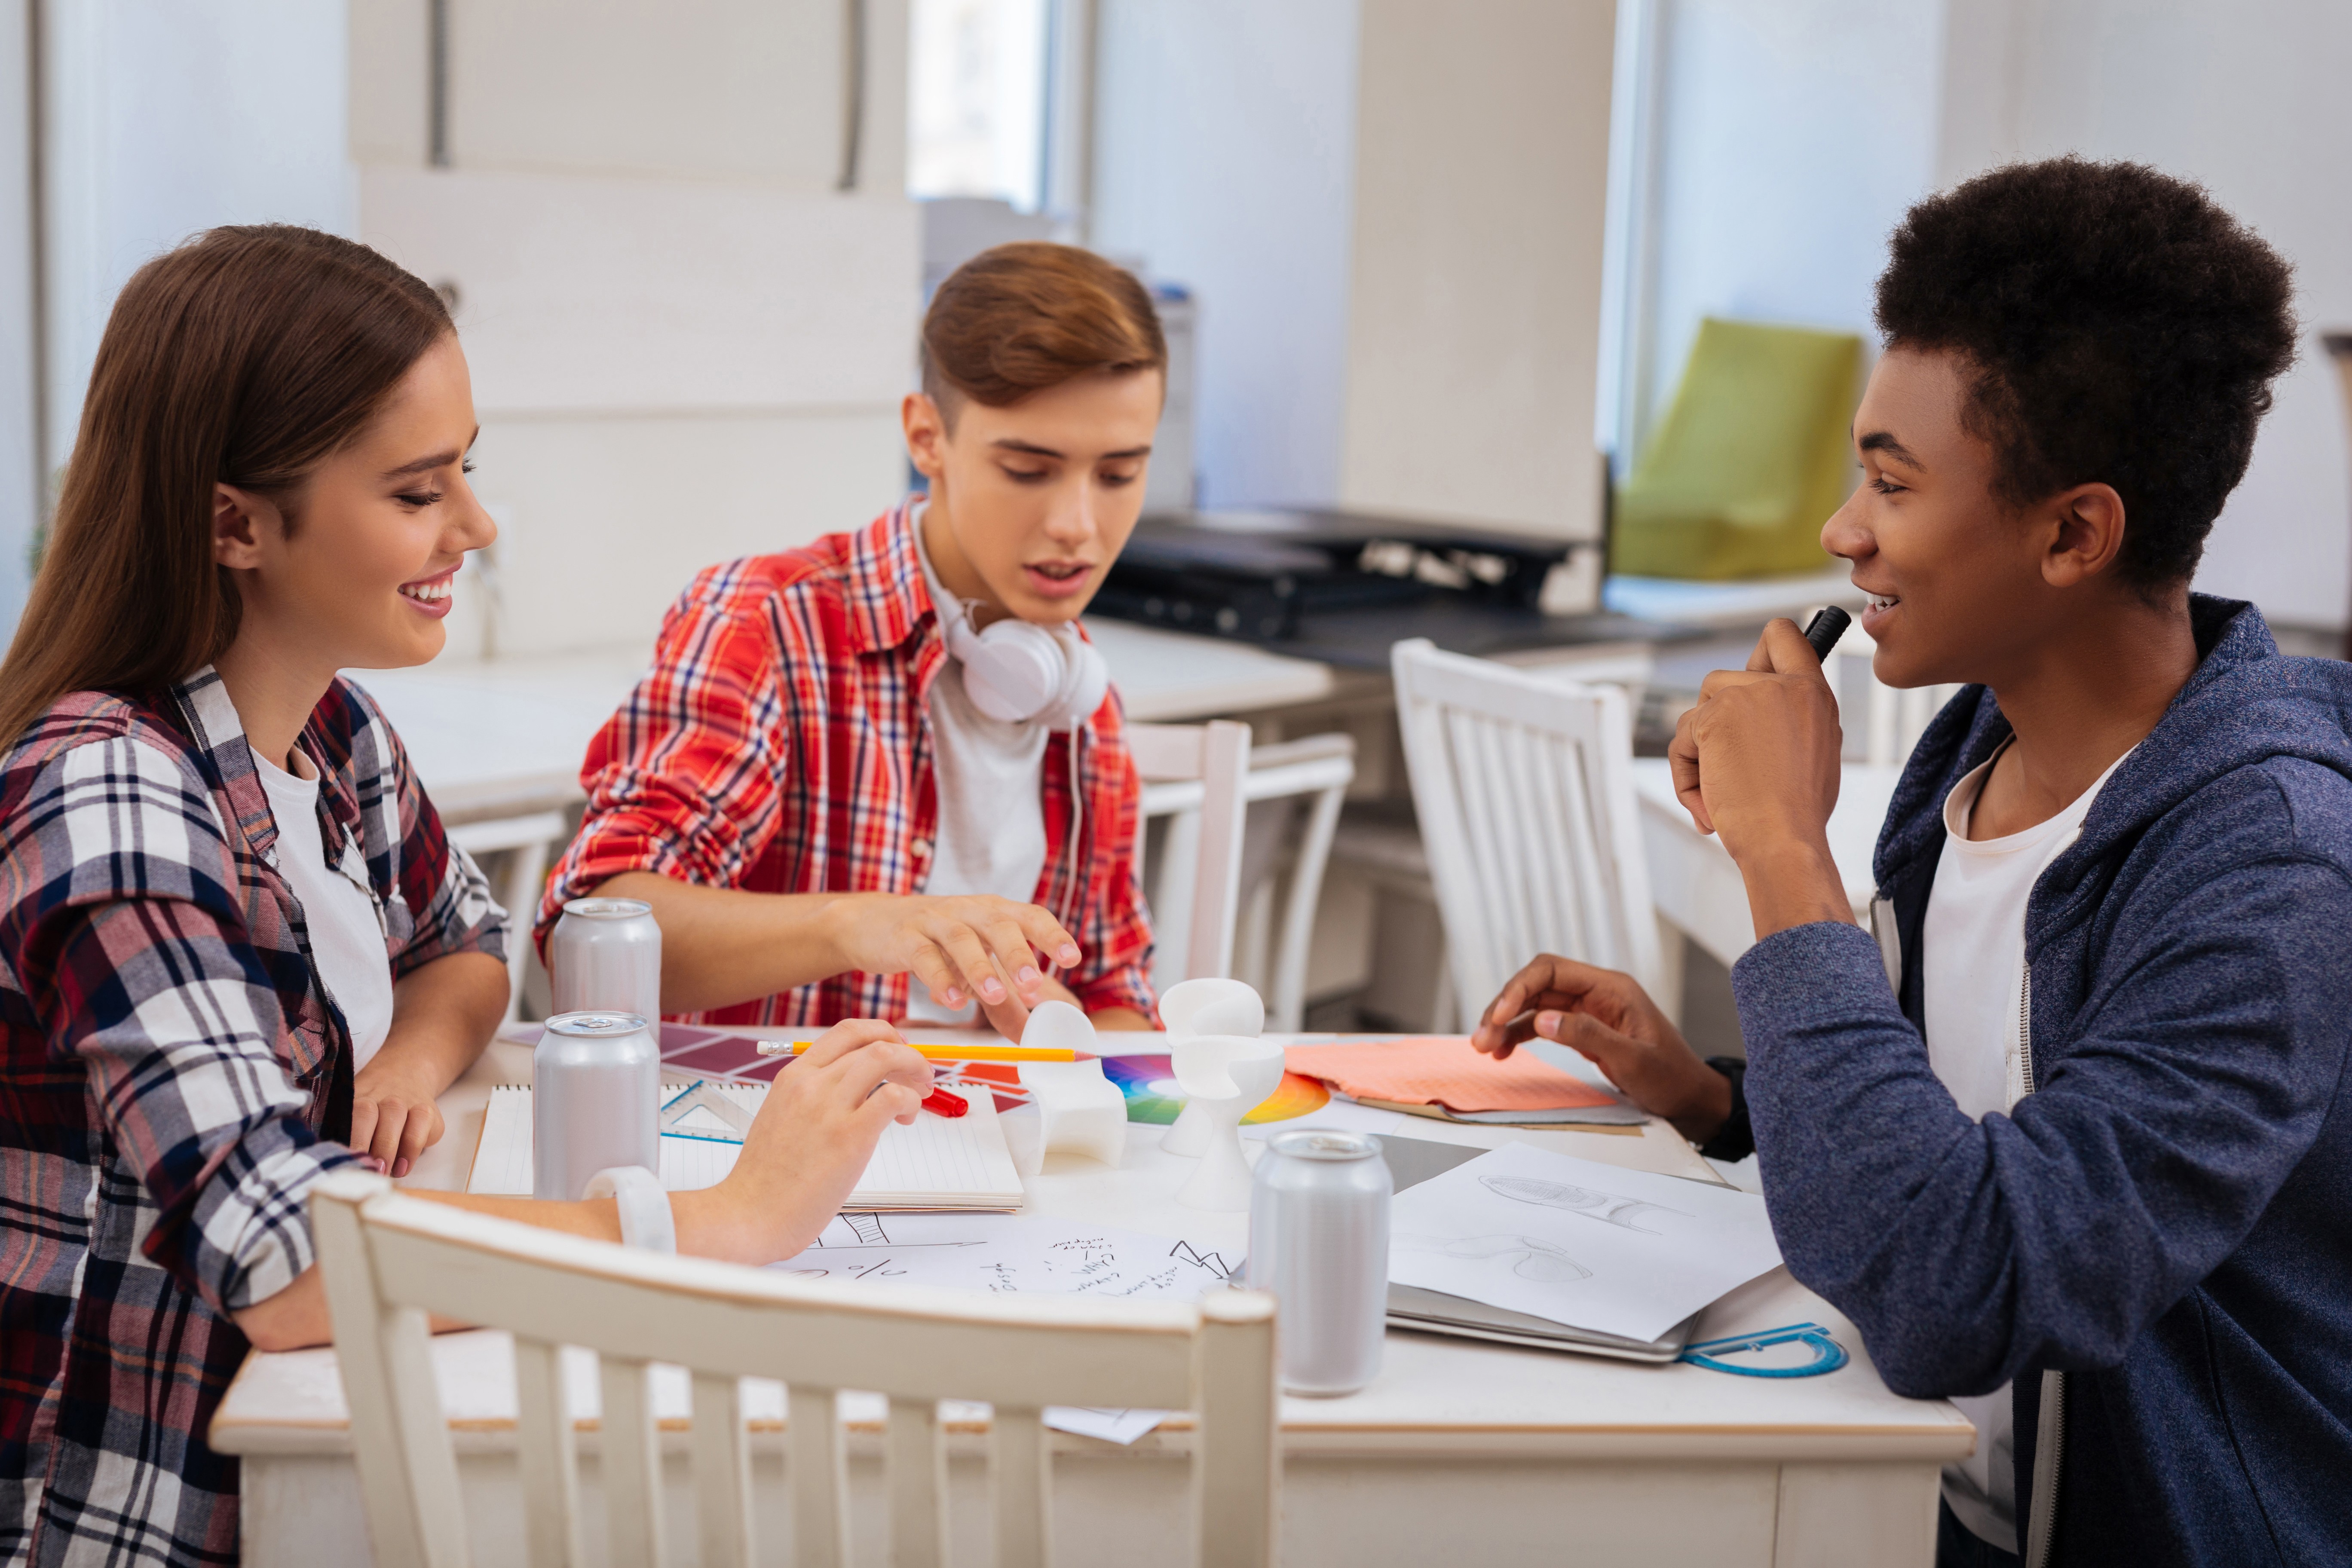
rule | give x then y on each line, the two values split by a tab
937	1162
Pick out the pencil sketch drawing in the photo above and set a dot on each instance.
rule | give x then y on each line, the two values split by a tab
1607	1207
866	1230
1184	1252
1538	1261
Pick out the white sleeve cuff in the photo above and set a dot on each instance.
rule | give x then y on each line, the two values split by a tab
645	1218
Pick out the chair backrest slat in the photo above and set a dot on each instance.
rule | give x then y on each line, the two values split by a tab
1560	911
1237	1438
1018	1482
722	1472
631	1465
390	1259
548	1456
408	1471
818	1470
1200	867
917	1460
1523	785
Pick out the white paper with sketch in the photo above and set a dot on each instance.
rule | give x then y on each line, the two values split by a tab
935	1162
1591	1245
1005	1254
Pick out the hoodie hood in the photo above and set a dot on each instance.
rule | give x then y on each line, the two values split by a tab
2246	704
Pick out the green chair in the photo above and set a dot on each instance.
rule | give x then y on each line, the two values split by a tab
1751	460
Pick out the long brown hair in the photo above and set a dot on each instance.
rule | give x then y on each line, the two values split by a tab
243	357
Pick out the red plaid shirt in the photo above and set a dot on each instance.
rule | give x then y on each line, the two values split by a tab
781	744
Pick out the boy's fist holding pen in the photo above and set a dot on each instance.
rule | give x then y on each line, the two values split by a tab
1755	763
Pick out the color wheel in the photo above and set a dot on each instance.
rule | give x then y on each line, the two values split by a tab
1152	1095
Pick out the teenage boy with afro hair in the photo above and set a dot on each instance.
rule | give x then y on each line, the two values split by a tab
2068	1134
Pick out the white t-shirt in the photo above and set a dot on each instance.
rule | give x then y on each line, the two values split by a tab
347	940
1972	992
990	777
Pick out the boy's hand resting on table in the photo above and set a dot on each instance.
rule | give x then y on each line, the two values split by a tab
1608	1018
964	949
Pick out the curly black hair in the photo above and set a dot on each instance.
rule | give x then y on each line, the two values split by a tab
2121	328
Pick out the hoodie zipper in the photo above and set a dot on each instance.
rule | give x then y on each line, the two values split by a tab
2050	1425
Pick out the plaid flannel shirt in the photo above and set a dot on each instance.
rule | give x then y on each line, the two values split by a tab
174	1071
782	743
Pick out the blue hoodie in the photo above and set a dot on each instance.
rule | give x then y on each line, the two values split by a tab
2155	1247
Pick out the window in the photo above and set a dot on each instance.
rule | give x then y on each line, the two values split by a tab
976	100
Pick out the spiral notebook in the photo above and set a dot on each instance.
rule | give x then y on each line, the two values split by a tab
933	1162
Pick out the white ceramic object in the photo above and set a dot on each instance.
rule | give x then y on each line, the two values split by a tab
1226	1076
1207	1006
1058	1026
1212	1007
1080	1111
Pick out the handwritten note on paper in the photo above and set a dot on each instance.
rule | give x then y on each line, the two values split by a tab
1591	1245
1444	1070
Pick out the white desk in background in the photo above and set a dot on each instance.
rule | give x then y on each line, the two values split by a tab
506	736
1459	1452
1697	889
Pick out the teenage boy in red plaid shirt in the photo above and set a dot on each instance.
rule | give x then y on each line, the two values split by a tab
893	751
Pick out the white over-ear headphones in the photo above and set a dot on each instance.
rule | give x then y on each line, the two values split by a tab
1017	672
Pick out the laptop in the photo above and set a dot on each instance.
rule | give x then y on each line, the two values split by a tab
1413	1160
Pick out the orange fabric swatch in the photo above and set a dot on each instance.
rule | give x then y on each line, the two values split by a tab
1444	1069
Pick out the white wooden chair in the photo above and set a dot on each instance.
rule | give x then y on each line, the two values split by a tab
1193	775
1285	850
391	1261
514	852
1524	787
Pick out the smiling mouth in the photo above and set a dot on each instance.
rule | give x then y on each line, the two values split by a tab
1884	601
432	592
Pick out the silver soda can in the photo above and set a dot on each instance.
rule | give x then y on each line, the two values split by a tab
595	1100
605	956
1318	1239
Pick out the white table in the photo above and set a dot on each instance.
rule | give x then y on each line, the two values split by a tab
1697	889
506	736
1471	1453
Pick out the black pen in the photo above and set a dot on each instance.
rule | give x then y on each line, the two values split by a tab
1824	629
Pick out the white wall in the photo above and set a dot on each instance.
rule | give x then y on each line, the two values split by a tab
1482	163
668	373
1790	136
1224	160
2250	99
165	117
687	344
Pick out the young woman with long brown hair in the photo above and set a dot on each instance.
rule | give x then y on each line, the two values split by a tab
235	944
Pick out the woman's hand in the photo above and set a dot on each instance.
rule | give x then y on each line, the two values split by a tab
810	1143
1609	1020
393	1117
974	946
443	1013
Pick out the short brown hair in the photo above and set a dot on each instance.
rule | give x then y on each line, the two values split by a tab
243	357
1022	318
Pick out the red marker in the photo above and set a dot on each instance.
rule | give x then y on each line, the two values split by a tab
940	1102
